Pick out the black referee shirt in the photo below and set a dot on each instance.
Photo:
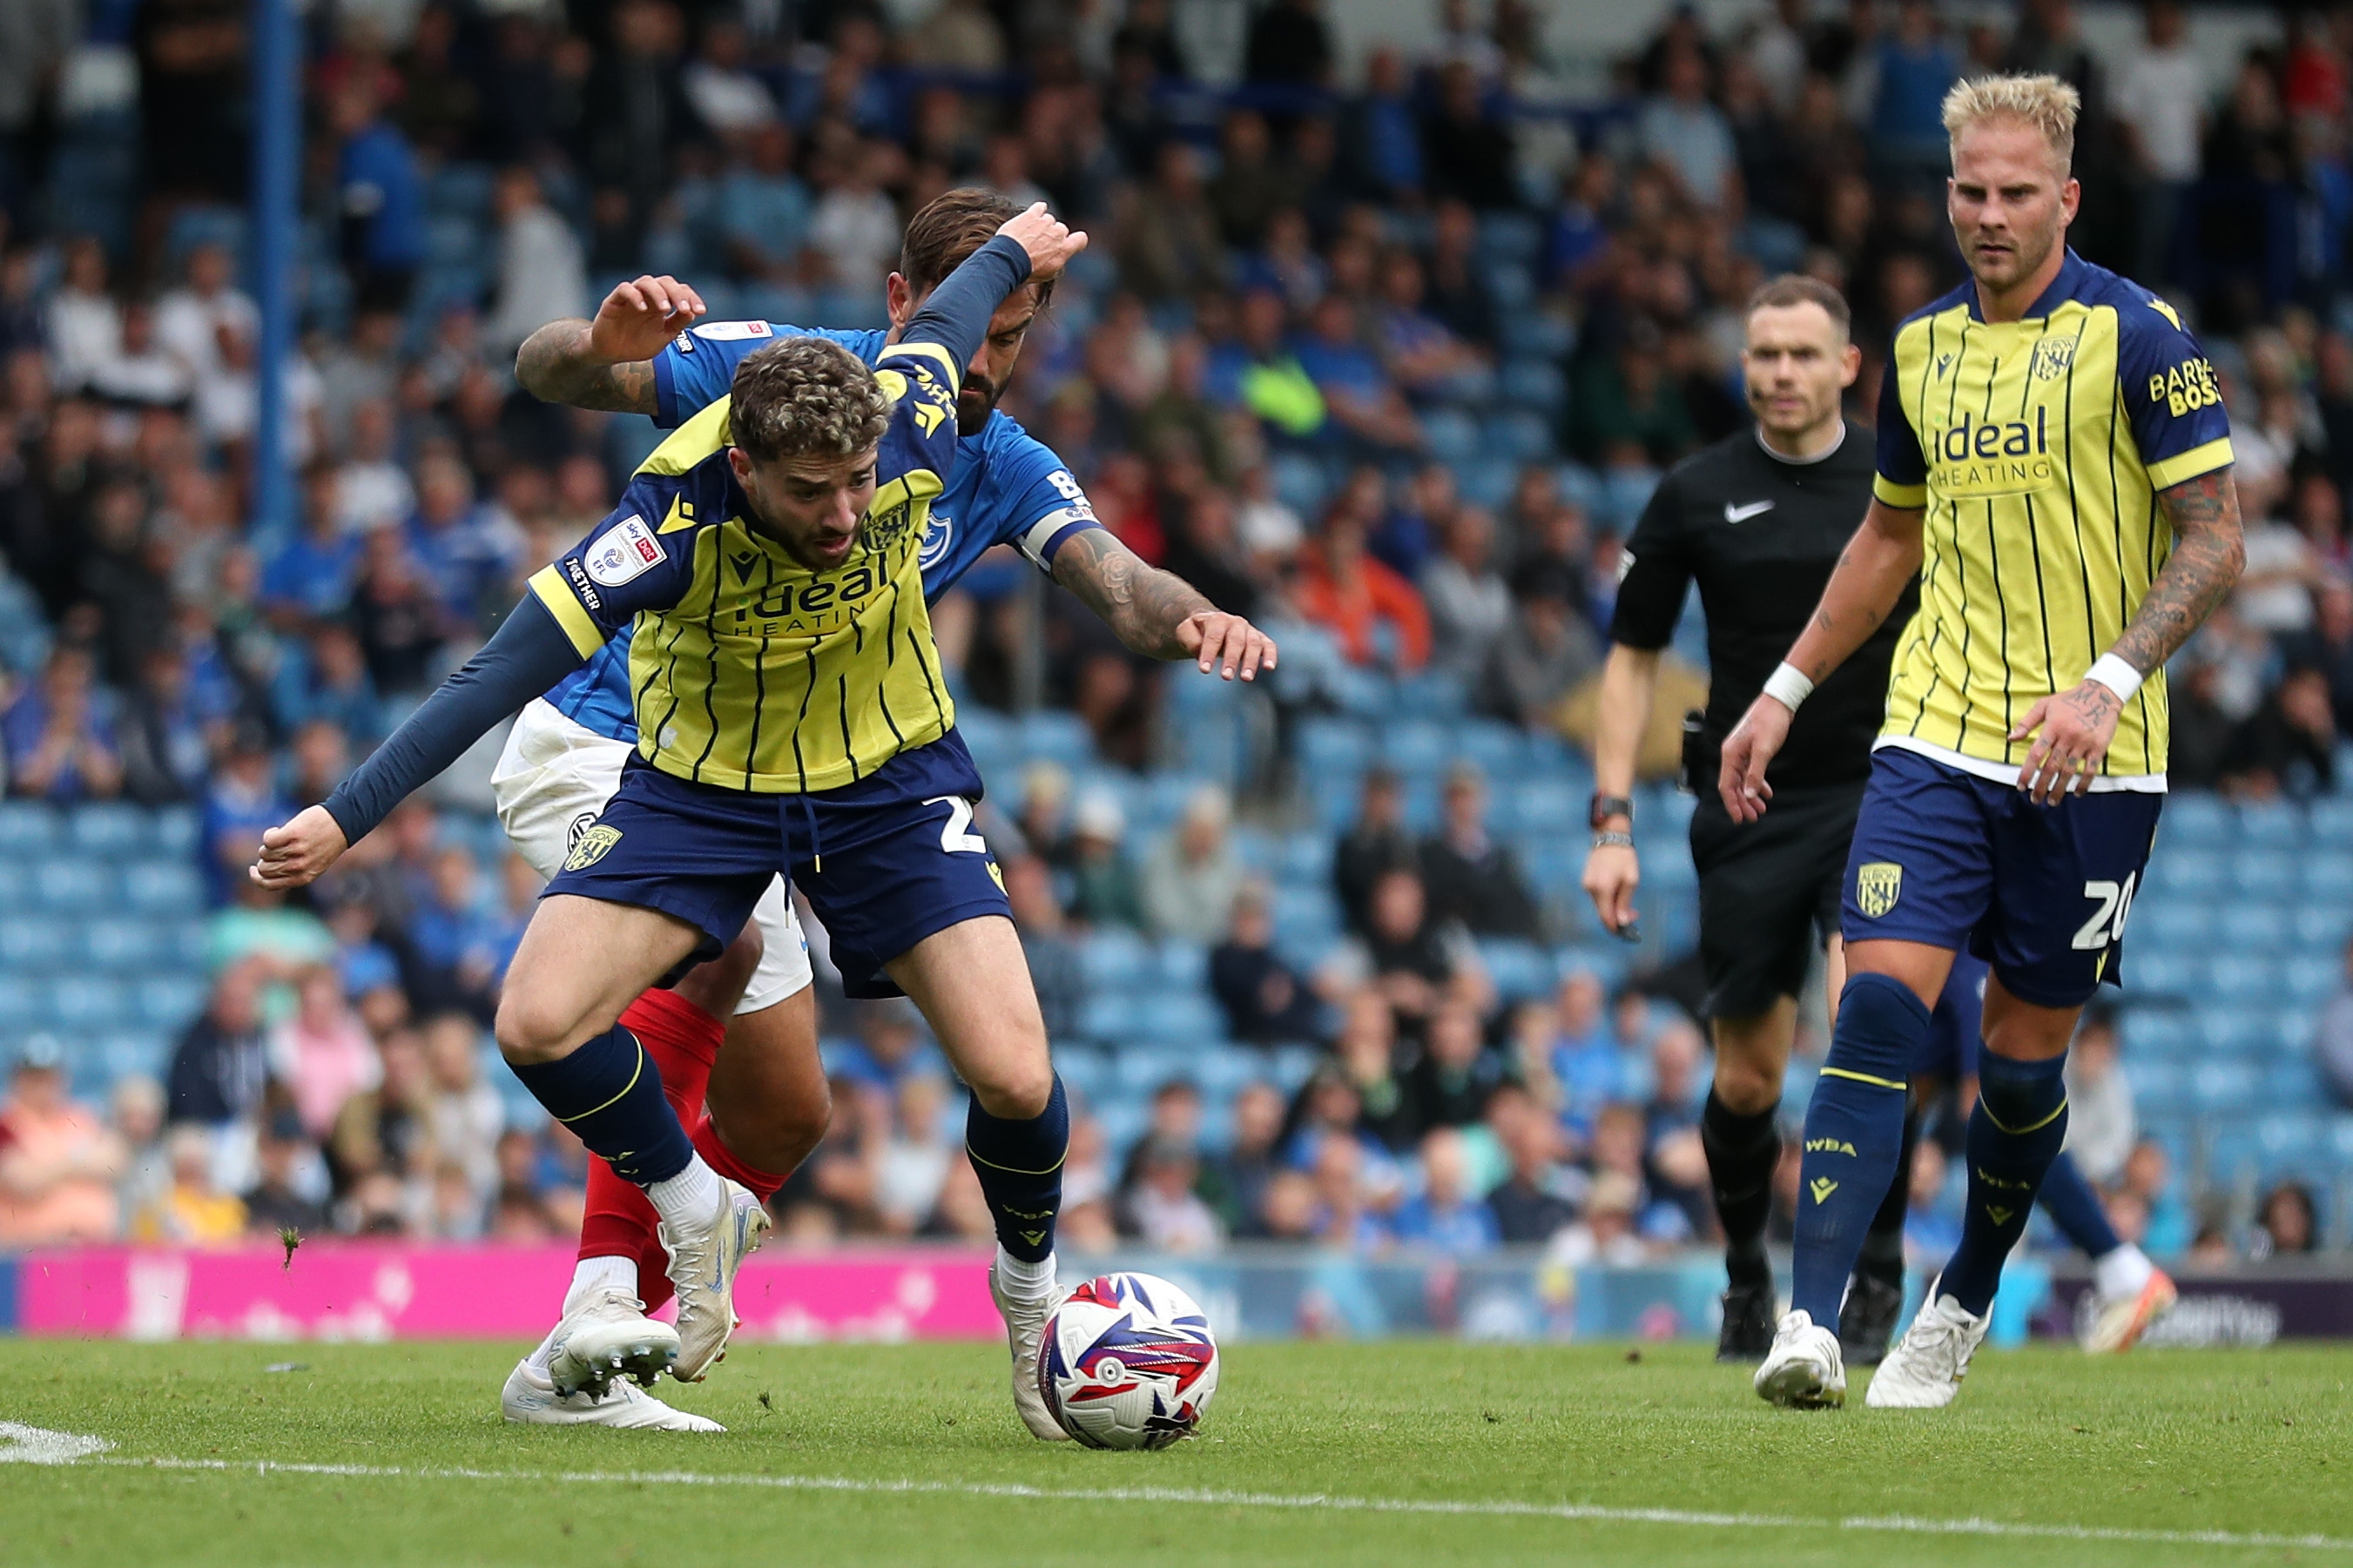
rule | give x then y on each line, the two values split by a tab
1760	534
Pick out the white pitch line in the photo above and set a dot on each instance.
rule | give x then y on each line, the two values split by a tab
1496	1507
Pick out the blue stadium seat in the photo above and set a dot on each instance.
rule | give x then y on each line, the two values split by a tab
2293	1083
2323	925
1427	696
87	1002
26	827
2223	1087
2290	1139
1301	483
2172	923
1138	1069
24	1004
1417	748
169	1001
1535	386
2309	981
2338	1138
1122	1121
1486	481
2255	927
2190	873
1545	806
1223	1069
1332	749
1521	970
2273	824
74	886
2331	824
34	946
1084	1070
110	828
1183	1018
2328	876
1292	1065
176	828
1108	1020
1183	966
1053	735
1451	435
2159	1085
124	945
1113	959
461	189
2235	1031
1306	857
1518	437
163	888
1496	749
2197	821
122	1053
1306	921
2270	874
2159	1032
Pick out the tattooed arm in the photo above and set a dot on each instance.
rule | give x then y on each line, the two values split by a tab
2208	550
608	364
1877	564
1157	614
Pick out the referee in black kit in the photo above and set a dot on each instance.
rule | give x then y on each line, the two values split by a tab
1758	520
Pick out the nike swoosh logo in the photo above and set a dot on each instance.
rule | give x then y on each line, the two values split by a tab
1743	514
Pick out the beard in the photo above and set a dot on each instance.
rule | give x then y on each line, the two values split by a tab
975	401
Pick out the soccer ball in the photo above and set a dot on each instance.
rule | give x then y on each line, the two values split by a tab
1126	1361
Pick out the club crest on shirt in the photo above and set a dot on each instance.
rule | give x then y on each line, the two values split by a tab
936	536
592	847
1878	885
2053	356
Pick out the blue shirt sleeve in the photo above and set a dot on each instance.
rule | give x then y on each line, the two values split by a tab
2178	420
1903	476
698	366
1042	507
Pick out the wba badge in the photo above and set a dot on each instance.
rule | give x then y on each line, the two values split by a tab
593	846
2053	356
1877	886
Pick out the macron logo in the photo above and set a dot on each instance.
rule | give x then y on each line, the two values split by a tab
1743	514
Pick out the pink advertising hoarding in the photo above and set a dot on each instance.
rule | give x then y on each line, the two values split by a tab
369	1292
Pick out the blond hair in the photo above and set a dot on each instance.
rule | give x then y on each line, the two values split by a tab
2044	102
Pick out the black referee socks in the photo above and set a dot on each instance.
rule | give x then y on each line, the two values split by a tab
1019	1165
1741	1153
610	1093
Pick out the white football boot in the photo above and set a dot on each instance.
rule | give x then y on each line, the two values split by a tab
1804	1370
702	1267
1025	1325
1925	1368
2119	1322
605	1339
530	1399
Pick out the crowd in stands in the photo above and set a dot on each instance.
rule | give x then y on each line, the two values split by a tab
1384	355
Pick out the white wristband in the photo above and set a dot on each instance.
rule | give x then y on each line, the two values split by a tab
2115	675
1789	686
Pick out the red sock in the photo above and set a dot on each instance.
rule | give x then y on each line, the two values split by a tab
683	1041
731	1165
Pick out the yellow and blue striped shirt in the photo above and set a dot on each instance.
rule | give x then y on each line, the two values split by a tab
749	670
2037	448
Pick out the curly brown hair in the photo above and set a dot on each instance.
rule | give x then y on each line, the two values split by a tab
806	397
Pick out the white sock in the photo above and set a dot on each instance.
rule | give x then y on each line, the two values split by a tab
689	1199
1022	1278
2122	1272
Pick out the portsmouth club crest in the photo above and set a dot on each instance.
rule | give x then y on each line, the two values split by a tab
1877	886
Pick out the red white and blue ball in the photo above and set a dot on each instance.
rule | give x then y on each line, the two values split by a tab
1127	1361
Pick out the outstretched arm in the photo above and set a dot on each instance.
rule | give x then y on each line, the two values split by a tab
2208	552
1157	614
1877	564
529	654
608	364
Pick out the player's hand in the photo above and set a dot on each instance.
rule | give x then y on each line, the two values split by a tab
2076	727
1748	751
1612	873
1227	644
296	854
1049	241
637	320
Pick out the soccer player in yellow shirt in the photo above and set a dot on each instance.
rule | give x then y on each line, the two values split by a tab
792	720
2054	460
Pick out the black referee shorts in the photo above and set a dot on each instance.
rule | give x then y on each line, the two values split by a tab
1768	892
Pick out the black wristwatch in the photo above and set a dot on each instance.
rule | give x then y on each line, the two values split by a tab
1606	806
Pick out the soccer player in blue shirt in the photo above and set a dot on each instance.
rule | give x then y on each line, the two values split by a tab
2052	446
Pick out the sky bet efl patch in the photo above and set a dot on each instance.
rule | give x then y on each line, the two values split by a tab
625	551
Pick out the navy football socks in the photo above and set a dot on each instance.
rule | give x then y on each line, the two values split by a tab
2068	1198
1883	1244
1019	1165
1741	1153
1854	1130
2015	1133
610	1092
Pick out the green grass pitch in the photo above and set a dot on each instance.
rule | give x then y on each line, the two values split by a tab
1410	1452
